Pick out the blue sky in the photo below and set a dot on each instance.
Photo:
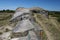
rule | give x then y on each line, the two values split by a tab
45	4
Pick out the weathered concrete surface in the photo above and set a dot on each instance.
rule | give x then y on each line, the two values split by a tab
23	26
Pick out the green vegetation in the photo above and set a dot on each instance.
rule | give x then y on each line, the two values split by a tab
44	36
7	11
5	16
55	14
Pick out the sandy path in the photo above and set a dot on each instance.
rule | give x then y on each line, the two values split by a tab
43	25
